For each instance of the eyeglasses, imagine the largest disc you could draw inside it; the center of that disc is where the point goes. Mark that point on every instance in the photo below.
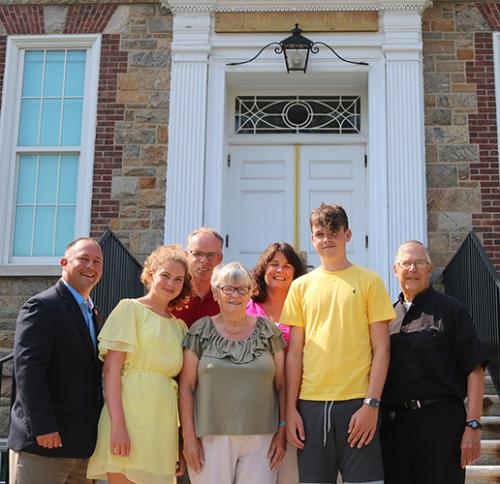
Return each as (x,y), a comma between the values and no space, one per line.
(228,290)
(419,264)
(211,256)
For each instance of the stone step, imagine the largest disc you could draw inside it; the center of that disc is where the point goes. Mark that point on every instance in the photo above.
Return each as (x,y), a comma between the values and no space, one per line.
(490,453)
(491,428)
(482,474)
(491,405)
(489,388)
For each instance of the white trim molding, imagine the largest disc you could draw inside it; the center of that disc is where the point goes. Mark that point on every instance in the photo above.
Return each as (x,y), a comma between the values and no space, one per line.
(9,123)
(207,6)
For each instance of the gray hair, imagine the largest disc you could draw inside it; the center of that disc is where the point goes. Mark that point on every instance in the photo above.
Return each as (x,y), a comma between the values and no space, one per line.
(234,271)
(206,230)
(416,242)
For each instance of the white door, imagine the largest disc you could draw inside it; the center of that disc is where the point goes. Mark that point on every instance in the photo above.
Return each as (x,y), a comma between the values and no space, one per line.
(334,174)
(271,190)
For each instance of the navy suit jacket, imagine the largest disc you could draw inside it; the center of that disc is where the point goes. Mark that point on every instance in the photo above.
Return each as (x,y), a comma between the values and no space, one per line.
(58,376)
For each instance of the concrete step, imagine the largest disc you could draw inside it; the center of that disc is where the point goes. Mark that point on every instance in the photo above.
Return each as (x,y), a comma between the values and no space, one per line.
(482,474)
(489,388)
(491,428)
(491,405)
(490,453)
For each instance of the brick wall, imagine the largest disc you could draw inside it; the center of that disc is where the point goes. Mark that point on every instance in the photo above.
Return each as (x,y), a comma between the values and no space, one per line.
(22,19)
(483,132)
(108,154)
(460,119)
(88,19)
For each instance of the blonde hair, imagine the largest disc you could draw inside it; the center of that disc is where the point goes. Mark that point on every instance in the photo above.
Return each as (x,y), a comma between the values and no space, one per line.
(155,261)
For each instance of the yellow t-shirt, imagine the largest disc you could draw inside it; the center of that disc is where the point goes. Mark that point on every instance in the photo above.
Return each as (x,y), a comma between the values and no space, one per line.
(336,309)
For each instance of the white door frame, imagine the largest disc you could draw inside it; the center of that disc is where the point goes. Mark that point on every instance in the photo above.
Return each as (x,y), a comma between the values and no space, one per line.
(199,94)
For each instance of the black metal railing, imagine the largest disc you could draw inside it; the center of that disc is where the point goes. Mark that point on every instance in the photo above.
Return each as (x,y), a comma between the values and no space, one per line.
(471,278)
(121,275)
(7,396)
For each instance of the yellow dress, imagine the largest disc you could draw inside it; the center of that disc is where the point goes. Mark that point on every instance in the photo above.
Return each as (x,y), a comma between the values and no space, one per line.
(149,394)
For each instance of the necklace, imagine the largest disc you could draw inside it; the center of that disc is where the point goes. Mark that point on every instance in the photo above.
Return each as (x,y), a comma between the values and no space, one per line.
(241,328)
(238,330)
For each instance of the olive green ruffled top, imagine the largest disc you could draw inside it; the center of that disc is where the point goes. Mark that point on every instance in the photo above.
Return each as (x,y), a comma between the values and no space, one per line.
(235,393)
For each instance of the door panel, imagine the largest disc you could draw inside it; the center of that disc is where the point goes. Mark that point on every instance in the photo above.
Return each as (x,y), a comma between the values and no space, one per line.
(259,206)
(334,174)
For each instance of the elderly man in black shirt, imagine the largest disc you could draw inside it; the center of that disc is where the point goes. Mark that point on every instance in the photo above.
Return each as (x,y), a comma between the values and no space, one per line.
(428,435)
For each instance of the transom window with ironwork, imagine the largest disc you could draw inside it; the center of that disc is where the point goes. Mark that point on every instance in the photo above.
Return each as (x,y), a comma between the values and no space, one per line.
(297,114)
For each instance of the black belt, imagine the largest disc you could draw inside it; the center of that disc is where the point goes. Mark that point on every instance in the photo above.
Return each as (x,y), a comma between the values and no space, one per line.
(416,404)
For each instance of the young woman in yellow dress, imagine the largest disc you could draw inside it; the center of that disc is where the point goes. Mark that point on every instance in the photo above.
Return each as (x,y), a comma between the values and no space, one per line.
(141,345)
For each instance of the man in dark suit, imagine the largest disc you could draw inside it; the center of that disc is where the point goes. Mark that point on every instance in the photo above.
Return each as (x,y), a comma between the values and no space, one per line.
(58,375)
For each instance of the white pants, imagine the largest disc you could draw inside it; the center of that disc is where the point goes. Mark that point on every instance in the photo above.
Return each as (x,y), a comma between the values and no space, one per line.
(288,470)
(235,459)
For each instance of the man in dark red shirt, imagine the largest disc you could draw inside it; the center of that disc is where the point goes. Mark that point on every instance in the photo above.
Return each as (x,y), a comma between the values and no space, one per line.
(203,252)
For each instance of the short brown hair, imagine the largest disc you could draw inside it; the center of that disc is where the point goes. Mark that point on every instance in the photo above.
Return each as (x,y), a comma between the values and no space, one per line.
(330,217)
(259,271)
(156,259)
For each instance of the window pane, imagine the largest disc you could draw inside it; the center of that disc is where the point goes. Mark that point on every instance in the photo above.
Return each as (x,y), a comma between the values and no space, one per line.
(67,181)
(44,231)
(51,116)
(72,122)
(32,76)
(26,180)
(23,231)
(47,179)
(28,123)
(75,73)
(65,228)
(54,73)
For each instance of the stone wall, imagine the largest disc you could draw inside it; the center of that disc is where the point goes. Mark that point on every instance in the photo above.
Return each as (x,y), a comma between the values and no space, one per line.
(460,119)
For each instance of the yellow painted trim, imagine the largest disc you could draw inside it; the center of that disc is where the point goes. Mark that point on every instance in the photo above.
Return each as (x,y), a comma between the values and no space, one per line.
(296,197)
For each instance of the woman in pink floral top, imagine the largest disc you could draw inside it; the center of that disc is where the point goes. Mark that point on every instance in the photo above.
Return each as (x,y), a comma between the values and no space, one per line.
(276,268)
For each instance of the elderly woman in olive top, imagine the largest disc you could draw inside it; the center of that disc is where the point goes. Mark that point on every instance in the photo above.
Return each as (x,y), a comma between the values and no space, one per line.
(276,268)
(232,389)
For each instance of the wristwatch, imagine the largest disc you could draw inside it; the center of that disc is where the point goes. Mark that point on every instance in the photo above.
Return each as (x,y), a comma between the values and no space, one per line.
(372,402)
(473,424)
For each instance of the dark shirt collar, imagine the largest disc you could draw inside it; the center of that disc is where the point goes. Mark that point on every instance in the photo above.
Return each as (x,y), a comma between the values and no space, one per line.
(420,298)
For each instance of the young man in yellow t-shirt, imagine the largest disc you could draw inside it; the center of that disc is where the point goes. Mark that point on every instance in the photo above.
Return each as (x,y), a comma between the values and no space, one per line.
(337,359)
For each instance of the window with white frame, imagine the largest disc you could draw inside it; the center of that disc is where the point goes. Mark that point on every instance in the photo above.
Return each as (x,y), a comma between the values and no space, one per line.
(47,133)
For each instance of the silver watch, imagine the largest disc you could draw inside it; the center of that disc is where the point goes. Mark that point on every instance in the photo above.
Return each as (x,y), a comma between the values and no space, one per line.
(372,402)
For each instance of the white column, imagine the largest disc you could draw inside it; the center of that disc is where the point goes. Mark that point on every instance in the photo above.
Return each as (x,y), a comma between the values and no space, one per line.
(187,125)
(379,258)
(216,149)
(405,130)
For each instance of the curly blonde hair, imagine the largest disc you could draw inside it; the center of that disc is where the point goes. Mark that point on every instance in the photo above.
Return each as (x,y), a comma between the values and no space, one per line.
(157,259)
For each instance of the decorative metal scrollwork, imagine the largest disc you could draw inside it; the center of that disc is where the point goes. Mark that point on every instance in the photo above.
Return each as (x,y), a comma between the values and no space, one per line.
(297,114)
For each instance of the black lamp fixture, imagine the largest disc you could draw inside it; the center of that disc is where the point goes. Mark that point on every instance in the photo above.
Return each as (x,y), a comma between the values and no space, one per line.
(296,49)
